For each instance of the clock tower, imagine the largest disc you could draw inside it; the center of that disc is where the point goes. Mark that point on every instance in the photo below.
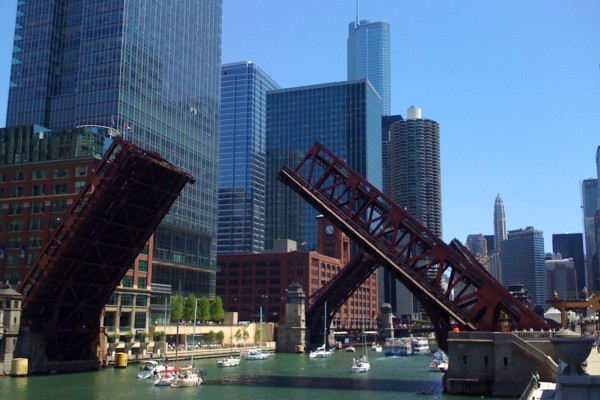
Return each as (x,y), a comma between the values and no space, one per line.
(331,241)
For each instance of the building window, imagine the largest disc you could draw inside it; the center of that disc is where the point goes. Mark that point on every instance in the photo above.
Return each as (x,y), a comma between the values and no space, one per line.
(36,207)
(485,361)
(35,242)
(15,226)
(139,320)
(13,243)
(141,301)
(36,224)
(142,283)
(79,185)
(37,175)
(16,191)
(127,300)
(17,176)
(38,190)
(128,281)
(505,361)
(60,188)
(15,209)
(143,266)
(58,205)
(81,171)
(60,173)
(112,300)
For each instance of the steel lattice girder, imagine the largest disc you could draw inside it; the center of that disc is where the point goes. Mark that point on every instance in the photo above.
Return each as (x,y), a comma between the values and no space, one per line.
(402,245)
(335,293)
(96,242)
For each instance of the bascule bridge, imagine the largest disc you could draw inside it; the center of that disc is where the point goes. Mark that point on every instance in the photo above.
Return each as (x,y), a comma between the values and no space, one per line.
(393,239)
(98,238)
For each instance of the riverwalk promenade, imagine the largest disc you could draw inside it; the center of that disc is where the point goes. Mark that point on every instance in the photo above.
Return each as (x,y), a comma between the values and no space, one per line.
(547,390)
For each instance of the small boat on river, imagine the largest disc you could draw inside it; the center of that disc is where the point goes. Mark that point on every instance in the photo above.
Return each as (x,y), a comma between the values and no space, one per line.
(230,361)
(187,377)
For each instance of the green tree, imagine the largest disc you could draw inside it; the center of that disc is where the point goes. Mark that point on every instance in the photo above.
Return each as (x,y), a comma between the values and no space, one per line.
(216,310)
(220,336)
(176,308)
(210,336)
(257,336)
(188,307)
(203,309)
(238,335)
(158,336)
(245,336)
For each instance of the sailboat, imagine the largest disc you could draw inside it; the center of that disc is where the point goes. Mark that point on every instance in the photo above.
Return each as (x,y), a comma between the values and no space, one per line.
(189,376)
(362,364)
(321,351)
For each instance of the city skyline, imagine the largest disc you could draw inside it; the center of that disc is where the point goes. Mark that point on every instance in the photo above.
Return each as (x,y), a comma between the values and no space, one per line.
(512,85)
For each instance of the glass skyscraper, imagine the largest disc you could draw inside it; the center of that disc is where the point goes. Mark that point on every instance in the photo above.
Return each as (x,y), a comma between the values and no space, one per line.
(570,245)
(369,56)
(523,262)
(343,116)
(150,69)
(589,194)
(242,168)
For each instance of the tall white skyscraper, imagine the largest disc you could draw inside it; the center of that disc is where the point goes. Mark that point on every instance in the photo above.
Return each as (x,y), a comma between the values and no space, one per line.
(499,223)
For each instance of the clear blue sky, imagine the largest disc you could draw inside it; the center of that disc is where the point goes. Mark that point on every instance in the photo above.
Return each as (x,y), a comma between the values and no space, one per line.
(514,85)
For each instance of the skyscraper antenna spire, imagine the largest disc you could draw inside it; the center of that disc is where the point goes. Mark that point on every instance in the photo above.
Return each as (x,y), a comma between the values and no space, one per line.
(357,1)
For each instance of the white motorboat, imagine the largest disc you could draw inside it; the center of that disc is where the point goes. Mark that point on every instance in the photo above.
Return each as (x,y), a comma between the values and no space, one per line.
(148,370)
(420,345)
(439,362)
(187,377)
(398,347)
(256,354)
(350,349)
(376,348)
(230,361)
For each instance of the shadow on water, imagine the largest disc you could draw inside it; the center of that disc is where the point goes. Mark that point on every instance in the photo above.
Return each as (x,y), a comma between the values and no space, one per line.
(337,383)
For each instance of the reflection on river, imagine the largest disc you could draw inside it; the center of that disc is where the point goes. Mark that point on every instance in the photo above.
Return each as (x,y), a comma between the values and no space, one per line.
(284,376)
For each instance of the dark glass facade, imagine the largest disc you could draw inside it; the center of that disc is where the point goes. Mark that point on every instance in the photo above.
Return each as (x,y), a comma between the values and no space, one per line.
(343,116)
(369,57)
(150,69)
(242,167)
(570,245)
(523,262)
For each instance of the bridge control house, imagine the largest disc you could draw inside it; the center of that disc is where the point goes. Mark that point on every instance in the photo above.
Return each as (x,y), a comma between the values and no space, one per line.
(253,283)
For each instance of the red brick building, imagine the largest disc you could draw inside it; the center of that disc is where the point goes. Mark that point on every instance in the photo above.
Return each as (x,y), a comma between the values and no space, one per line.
(41,173)
(248,283)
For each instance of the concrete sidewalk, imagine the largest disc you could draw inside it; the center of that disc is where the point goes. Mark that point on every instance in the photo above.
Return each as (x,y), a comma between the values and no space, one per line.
(593,361)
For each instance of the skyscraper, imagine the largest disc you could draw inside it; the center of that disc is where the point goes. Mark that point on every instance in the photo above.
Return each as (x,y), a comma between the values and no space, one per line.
(414,168)
(150,69)
(522,255)
(343,116)
(590,195)
(413,181)
(242,170)
(499,223)
(369,56)
(570,245)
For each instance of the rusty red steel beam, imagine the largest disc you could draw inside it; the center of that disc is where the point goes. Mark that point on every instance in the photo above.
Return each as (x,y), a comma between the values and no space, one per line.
(100,235)
(400,243)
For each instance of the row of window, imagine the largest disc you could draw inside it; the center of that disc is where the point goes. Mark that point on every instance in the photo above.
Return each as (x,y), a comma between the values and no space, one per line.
(37,207)
(57,173)
(41,190)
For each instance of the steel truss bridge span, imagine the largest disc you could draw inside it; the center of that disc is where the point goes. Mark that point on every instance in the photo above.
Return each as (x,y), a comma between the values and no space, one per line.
(97,241)
(392,238)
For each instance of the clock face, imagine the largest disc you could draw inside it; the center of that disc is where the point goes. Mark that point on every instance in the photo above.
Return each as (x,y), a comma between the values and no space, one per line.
(329,229)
